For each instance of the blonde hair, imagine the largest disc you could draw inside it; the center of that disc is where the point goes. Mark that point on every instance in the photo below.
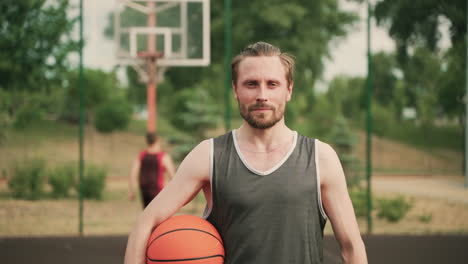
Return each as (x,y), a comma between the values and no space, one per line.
(260,49)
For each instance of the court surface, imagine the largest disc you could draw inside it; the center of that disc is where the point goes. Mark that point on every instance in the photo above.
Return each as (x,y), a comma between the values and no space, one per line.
(393,249)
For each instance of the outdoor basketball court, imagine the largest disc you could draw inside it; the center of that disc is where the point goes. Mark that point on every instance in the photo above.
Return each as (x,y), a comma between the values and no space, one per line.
(447,249)
(153,35)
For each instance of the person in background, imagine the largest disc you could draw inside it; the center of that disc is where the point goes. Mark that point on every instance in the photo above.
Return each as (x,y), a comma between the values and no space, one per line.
(151,169)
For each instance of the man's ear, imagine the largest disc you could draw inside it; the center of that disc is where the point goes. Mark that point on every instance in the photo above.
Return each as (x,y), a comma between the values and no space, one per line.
(234,89)
(290,89)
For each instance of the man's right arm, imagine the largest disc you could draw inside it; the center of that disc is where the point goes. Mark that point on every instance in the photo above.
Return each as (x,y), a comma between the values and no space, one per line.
(191,176)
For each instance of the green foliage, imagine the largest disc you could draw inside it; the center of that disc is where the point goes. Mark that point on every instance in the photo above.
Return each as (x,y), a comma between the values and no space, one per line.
(35,41)
(359,199)
(26,116)
(347,95)
(425,218)
(194,110)
(342,138)
(28,179)
(423,136)
(182,149)
(136,90)
(3,128)
(4,116)
(423,26)
(100,87)
(113,115)
(429,87)
(393,210)
(451,87)
(93,182)
(384,81)
(62,179)
(383,120)
(423,71)
(320,120)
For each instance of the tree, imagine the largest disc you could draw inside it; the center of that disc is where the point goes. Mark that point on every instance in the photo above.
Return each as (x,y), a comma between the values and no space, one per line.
(35,41)
(100,88)
(423,83)
(452,90)
(113,114)
(347,95)
(423,29)
(384,68)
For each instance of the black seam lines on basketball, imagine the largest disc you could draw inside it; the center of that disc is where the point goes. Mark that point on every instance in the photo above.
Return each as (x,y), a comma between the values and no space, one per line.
(186,259)
(182,229)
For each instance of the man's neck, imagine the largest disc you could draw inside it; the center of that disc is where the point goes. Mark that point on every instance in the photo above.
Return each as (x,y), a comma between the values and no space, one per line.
(264,140)
(154,148)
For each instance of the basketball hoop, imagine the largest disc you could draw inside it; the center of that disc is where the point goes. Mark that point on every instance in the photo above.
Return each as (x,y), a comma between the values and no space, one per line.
(177,33)
(150,56)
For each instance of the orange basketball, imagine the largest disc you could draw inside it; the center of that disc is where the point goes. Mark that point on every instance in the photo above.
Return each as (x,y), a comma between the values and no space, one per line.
(185,239)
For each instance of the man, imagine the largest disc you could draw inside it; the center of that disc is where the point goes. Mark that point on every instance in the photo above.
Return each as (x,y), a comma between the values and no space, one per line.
(149,169)
(269,190)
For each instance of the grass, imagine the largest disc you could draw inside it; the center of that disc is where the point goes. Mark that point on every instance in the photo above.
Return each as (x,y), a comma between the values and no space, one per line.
(138,126)
(429,137)
(39,132)
(424,137)
(115,215)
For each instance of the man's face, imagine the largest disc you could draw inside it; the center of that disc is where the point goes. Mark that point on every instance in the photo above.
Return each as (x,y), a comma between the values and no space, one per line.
(262,91)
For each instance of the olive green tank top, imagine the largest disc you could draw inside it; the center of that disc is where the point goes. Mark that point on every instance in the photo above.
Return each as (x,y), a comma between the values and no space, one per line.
(267,217)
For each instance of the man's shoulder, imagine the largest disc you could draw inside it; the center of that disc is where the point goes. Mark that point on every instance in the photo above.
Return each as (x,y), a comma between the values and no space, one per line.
(223,136)
(309,141)
(222,139)
(299,135)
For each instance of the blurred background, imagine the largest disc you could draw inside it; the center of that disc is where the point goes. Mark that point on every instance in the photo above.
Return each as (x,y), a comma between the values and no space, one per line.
(418,79)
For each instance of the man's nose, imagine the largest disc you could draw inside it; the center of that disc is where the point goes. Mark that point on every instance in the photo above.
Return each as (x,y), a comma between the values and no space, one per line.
(262,93)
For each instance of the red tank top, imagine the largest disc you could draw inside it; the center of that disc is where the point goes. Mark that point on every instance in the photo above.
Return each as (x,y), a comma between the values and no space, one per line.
(151,175)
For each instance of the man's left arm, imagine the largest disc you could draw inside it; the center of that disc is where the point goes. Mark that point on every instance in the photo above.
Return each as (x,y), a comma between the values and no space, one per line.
(338,206)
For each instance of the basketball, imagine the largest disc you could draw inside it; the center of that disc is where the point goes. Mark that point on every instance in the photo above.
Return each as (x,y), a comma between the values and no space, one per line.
(185,239)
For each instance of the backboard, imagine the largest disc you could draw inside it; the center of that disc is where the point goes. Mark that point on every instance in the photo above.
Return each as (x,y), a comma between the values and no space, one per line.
(179,30)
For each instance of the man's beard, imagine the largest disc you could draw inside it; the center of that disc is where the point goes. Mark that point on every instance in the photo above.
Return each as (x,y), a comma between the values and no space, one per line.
(259,121)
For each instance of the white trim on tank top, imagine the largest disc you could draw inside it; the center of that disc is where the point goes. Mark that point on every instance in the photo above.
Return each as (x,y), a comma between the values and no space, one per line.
(324,215)
(209,208)
(271,170)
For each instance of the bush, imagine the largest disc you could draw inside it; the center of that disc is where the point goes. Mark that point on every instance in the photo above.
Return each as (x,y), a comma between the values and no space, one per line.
(359,199)
(343,139)
(194,110)
(383,120)
(93,182)
(99,85)
(28,180)
(426,218)
(393,210)
(62,180)
(112,115)
(26,116)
